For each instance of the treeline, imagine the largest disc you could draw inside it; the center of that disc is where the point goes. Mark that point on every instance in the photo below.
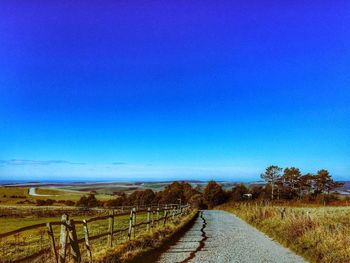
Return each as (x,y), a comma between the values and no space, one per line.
(289,183)
(280,184)
(175,193)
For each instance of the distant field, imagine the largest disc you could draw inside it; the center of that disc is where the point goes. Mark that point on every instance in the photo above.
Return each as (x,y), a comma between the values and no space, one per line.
(129,187)
(73,191)
(19,195)
(110,188)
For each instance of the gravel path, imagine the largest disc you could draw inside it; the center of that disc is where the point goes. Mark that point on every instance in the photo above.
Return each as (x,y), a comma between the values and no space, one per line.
(219,236)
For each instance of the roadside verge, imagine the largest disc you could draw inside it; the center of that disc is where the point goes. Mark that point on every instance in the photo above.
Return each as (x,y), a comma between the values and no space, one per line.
(148,247)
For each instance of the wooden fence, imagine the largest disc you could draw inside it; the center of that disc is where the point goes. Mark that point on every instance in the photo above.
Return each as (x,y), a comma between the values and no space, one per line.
(68,241)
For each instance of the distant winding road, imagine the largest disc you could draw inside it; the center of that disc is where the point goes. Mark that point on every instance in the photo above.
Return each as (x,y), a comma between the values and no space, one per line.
(219,236)
(33,193)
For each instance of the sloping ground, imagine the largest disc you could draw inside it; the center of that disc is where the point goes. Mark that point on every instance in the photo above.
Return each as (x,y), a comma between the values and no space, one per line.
(218,236)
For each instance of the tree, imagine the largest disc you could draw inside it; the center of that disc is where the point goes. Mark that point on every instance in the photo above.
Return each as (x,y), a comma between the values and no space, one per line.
(172,194)
(279,185)
(89,201)
(196,201)
(291,179)
(324,182)
(120,200)
(271,175)
(144,197)
(307,182)
(213,194)
(177,192)
(238,191)
(257,192)
(147,197)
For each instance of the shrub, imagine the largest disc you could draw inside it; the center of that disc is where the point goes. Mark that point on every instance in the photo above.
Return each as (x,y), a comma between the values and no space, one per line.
(88,201)
(40,202)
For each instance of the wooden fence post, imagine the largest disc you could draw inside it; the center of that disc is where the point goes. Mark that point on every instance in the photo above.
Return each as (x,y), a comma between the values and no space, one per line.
(130,224)
(148,219)
(52,239)
(73,241)
(308,215)
(134,222)
(157,216)
(282,211)
(153,213)
(111,228)
(165,217)
(63,238)
(86,237)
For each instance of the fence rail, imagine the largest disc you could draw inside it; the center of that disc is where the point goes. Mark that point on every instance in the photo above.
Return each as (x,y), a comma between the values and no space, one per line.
(58,246)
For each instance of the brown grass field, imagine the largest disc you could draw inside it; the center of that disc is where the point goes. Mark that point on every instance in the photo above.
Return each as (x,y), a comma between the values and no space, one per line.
(319,234)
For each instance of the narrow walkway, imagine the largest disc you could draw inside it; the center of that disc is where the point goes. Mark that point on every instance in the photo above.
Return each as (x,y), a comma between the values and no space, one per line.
(218,236)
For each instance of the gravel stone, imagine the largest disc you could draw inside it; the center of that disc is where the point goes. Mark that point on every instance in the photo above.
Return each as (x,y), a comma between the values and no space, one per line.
(226,238)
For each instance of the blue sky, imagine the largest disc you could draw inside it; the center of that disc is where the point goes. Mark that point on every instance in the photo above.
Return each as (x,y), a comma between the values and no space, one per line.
(173,89)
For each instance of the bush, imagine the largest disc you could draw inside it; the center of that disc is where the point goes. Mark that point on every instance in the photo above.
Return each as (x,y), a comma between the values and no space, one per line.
(119,201)
(17,196)
(40,202)
(66,202)
(89,201)
(238,191)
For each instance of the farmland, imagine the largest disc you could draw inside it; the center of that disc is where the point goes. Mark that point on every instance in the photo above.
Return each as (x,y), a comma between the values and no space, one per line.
(104,188)
(20,195)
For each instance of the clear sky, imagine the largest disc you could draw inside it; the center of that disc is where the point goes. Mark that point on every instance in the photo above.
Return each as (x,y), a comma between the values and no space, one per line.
(100,90)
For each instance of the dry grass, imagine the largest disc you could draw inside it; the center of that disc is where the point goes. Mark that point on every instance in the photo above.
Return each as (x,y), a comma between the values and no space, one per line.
(144,243)
(31,241)
(320,234)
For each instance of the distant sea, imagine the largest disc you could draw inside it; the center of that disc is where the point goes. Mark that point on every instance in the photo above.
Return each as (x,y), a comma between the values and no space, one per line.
(49,181)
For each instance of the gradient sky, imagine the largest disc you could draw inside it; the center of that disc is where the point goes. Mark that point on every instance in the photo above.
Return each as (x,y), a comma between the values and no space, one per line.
(115,90)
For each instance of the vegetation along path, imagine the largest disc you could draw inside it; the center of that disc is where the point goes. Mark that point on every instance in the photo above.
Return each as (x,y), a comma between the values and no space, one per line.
(218,236)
